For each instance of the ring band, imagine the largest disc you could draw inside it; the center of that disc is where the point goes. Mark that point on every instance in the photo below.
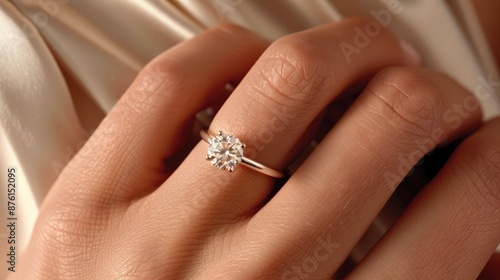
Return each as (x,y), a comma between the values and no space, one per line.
(226,151)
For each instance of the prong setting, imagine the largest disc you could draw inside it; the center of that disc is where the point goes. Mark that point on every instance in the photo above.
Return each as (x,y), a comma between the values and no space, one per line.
(225,151)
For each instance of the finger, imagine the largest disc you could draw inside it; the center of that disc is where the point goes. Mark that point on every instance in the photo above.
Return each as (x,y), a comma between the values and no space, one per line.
(272,108)
(453,226)
(315,220)
(124,157)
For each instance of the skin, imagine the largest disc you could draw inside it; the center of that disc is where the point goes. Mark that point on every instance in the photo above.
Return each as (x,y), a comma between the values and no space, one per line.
(132,205)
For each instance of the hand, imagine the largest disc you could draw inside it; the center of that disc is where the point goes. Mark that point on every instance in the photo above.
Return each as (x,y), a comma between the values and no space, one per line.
(123,208)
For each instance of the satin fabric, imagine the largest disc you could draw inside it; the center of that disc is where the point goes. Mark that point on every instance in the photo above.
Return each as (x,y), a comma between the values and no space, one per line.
(64,63)
(38,122)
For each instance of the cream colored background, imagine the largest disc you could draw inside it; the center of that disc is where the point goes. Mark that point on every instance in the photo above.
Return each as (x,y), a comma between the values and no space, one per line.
(64,63)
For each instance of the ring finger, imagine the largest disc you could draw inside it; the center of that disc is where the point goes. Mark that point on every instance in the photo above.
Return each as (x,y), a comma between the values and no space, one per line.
(273,106)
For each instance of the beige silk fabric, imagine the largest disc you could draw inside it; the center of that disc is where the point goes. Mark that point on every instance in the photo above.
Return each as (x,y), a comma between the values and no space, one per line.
(64,63)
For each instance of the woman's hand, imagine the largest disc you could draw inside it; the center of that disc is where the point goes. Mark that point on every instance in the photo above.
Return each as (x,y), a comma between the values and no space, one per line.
(122,209)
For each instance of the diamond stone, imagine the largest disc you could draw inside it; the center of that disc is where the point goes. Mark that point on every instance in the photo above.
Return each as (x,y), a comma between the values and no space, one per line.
(225,151)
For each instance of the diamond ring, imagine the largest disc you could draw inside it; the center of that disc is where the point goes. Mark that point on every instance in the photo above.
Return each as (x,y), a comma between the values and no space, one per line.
(225,152)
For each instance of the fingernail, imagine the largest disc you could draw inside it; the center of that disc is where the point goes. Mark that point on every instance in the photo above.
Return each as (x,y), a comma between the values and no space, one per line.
(413,56)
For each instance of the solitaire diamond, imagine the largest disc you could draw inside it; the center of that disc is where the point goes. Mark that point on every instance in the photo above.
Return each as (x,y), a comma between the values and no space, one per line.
(225,151)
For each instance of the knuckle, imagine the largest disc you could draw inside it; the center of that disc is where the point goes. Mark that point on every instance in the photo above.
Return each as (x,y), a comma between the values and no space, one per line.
(166,72)
(159,82)
(294,72)
(410,98)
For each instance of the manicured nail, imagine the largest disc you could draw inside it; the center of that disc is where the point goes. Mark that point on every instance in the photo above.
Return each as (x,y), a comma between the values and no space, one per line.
(414,57)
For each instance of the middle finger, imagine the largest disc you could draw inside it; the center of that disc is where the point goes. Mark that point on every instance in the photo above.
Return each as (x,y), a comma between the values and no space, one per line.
(315,220)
